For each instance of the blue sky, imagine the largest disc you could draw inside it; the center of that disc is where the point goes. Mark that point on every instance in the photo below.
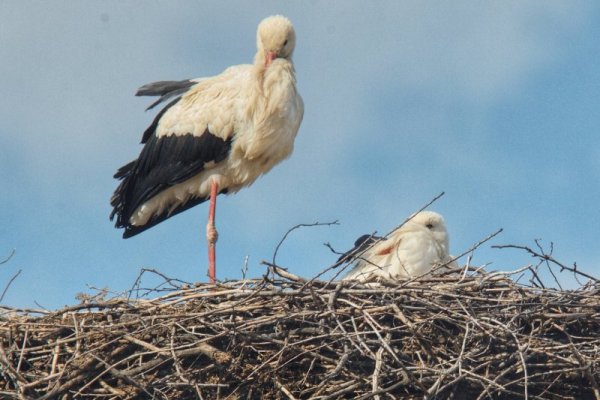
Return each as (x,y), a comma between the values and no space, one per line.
(495,103)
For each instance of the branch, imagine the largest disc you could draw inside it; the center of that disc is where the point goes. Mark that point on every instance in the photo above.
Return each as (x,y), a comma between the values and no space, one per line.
(176,284)
(8,284)
(7,259)
(547,257)
(436,198)
(476,245)
(297,227)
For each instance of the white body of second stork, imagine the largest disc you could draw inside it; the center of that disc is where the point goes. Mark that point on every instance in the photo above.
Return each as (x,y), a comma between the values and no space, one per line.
(409,252)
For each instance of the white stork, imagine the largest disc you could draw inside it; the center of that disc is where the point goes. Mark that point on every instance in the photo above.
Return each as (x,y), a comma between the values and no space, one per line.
(217,135)
(410,251)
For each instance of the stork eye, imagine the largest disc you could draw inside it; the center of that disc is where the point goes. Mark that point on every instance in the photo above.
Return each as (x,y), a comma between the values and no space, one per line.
(285,43)
(429,226)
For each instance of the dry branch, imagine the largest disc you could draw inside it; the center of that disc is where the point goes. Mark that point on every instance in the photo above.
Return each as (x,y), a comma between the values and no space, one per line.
(11,280)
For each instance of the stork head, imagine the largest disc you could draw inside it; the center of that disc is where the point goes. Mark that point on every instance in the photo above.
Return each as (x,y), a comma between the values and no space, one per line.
(275,38)
(434,222)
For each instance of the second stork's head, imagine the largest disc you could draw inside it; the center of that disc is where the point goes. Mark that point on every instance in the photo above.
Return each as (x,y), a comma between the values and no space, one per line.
(433,222)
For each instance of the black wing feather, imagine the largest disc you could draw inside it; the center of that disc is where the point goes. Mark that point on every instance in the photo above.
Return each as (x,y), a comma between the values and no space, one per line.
(163,162)
(151,130)
(164,89)
(361,244)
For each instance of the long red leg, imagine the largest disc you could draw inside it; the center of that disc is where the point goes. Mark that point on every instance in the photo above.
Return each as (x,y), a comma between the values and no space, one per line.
(211,233)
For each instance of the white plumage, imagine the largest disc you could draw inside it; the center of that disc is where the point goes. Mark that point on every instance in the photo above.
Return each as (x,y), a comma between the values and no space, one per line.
(262,120)
(411,251)
(225,130)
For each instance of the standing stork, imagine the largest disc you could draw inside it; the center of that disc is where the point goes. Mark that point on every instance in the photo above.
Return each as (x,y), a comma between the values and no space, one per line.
(215,136)
(410,251)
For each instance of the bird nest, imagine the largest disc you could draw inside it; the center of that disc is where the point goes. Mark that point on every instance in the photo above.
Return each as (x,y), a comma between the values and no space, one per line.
(466,335)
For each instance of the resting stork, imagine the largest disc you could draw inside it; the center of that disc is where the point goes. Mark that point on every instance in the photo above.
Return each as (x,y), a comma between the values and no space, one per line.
(216,135)
(410,251)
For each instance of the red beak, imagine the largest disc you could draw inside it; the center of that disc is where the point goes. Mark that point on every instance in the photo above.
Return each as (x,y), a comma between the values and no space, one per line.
(271,55)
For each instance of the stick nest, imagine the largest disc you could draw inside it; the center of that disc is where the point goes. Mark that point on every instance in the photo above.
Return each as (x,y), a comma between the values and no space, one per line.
(463,336)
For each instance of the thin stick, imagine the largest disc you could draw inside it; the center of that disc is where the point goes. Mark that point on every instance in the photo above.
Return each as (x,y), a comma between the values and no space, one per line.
(8,284)
(548,257)
(284,390)
(7,259)
(293,228)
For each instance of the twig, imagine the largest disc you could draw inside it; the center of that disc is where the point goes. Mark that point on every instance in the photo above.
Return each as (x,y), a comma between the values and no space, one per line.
(547,257)
(7,259)
(175,283)
(283,272)
(297,227)
(377,369)
(549,267)
(436,198)
(476,245)
(8,284)
(284,390)
(22,353)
